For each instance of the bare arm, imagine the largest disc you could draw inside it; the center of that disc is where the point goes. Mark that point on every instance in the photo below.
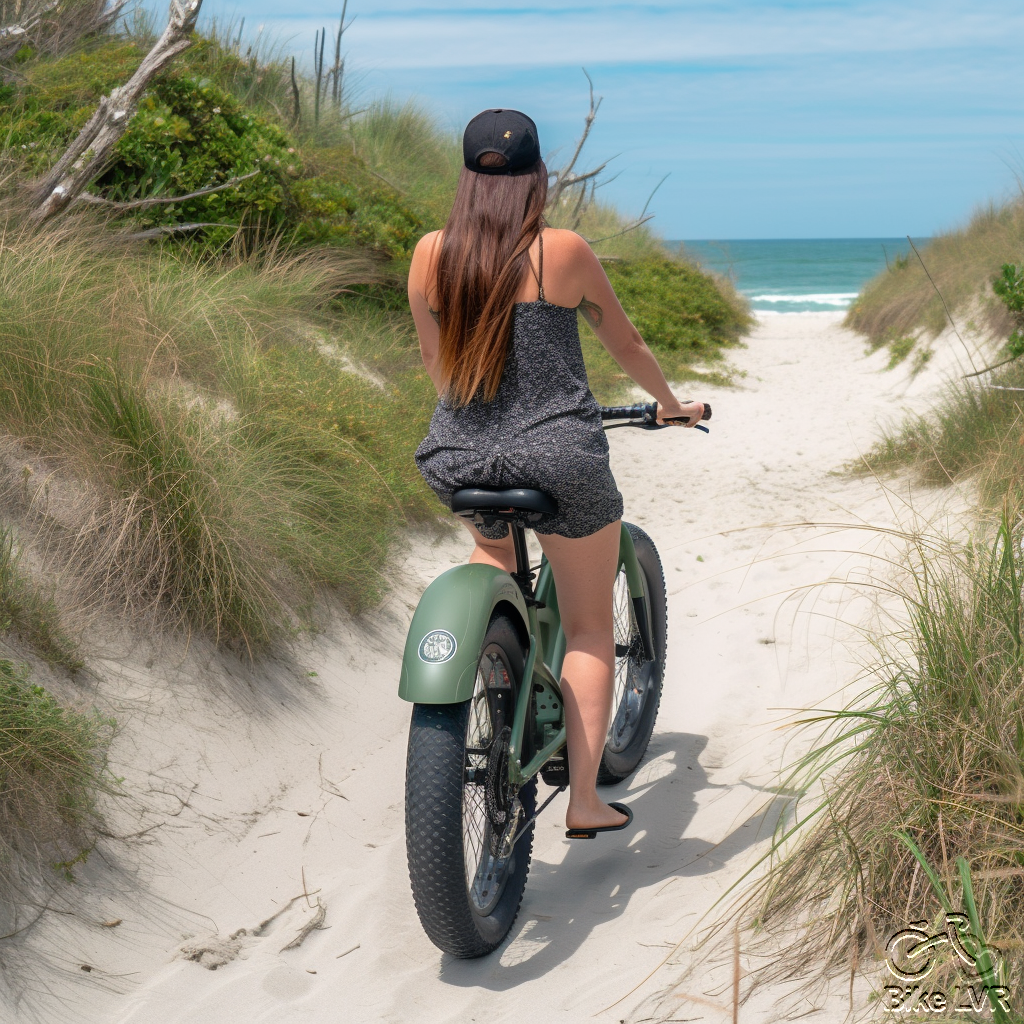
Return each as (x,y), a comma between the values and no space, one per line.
(420,272)
(601,309)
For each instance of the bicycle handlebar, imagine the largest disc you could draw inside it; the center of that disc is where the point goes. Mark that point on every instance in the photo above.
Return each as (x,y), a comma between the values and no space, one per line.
(645,416)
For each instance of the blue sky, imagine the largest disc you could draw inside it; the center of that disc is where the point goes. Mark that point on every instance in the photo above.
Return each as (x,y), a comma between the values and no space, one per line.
(792,119)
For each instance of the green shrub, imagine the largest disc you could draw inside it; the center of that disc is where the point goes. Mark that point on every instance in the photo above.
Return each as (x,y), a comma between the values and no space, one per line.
(189,134)
(49,100)
(192,131)
(676,307)
(52,762)
(1009,286)
(342,212)
(258,80)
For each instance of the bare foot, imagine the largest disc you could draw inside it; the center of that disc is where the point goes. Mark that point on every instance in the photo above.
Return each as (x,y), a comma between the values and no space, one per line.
(593,815)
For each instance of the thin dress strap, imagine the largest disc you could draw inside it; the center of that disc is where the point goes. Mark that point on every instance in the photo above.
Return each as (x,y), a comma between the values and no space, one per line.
(540,268)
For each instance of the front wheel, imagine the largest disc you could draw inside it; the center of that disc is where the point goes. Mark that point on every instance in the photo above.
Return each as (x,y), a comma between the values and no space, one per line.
(637,684)
(466,866)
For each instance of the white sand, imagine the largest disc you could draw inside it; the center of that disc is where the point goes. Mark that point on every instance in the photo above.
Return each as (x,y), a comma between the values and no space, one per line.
(254,785)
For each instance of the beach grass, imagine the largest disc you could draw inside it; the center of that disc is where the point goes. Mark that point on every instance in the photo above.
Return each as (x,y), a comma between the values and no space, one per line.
(902,302)
(925,767)
(52,765)
(974,431)
(30,614)
(239,454)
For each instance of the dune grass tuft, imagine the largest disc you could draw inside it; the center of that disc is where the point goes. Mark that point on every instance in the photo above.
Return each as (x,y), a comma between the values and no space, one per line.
(52,763)
(234,452)
(901,301)
(975,430)
(32,616)
(933,754)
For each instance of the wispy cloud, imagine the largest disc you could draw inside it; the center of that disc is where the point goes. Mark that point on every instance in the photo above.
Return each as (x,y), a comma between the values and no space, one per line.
(792,117)
(396,35)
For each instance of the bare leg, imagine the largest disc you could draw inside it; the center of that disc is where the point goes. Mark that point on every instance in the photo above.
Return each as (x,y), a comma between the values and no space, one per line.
(584,573)
(500,553)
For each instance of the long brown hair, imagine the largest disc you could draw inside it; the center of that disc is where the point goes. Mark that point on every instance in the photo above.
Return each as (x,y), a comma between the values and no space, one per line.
(484,252)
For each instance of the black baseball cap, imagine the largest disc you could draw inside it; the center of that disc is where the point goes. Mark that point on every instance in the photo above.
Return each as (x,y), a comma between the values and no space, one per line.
(508,132)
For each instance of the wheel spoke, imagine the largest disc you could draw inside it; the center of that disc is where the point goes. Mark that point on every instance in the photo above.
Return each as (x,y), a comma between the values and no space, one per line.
(630,671)
(485,873)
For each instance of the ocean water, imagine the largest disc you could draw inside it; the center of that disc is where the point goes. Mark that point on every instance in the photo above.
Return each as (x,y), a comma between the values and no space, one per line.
(803,275)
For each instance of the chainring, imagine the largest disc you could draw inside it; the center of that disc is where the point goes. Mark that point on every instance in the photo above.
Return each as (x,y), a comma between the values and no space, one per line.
(499,795)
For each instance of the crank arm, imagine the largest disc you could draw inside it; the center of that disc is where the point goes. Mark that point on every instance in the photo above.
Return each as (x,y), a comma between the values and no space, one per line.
(536,815)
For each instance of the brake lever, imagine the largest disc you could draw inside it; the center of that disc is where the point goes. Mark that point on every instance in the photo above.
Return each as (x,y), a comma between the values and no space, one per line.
(654,426)
(668,423)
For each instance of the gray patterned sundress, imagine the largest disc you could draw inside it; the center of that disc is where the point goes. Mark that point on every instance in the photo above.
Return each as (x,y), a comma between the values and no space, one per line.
(542,430)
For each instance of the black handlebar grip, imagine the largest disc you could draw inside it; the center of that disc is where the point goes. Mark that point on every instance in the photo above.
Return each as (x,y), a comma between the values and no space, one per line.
(647,414)
(623,412)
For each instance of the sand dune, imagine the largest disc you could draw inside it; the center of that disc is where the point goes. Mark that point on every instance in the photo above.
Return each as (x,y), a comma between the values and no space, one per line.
(265,810)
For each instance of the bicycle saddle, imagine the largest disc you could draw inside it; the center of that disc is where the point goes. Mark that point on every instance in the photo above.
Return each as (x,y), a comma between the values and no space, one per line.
(514,502)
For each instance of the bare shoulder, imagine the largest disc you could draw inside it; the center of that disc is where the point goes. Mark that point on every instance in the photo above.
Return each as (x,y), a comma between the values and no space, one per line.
(563,242)
(423,257)
(427,245)
(570,254)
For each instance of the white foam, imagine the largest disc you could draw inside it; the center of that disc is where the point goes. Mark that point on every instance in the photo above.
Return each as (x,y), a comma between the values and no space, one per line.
(825,299)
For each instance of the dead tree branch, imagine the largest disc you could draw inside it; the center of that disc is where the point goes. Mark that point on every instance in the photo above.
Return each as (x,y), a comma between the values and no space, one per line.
(296,108)
(140,204)
(171,229)
(56,23)
(639,222)
(338,70)
(90,154)
(13,37)
(318,71)
(566,177)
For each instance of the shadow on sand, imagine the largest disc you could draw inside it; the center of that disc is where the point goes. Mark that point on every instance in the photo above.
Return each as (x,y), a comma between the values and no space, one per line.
(596,880)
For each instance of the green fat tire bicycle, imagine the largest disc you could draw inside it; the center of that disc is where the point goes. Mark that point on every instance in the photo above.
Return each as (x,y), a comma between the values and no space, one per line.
(481,667)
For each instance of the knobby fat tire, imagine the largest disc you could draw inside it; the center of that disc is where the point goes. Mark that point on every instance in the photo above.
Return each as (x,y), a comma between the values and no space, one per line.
(617,766)
(435,776)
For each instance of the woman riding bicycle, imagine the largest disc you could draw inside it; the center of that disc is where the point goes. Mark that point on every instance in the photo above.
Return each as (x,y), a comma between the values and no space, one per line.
(494,297)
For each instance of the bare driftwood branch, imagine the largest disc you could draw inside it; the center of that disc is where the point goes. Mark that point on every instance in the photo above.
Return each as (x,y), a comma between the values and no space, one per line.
(139,204)
(296,108)
(55,27)
(13,37)
(110,13)
(641,220)
(171,229)
(315,922)
(565,176)
(338,70)
(90,154)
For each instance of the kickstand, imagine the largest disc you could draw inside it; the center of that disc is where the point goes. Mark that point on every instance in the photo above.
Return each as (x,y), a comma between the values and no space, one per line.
(536,814)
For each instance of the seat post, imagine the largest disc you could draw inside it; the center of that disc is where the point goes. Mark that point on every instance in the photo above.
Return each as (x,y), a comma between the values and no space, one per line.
(522,575)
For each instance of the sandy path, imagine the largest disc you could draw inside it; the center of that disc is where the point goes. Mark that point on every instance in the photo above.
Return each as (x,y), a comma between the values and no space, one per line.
(255,784)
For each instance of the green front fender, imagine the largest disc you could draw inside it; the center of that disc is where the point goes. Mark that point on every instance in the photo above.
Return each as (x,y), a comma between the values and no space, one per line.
(460,602)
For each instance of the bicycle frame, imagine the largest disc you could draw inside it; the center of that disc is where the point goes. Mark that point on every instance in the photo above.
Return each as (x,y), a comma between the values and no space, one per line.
(458,606)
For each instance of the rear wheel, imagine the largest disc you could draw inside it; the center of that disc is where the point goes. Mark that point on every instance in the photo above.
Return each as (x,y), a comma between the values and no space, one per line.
(461,815)
(637,684)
